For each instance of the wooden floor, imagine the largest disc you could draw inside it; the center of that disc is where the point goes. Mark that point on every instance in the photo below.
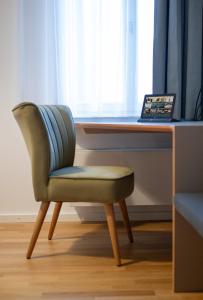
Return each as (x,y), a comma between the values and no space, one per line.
(78,263)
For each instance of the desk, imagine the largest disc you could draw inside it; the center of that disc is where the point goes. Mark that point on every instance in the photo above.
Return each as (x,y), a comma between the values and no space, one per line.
(187,148)
(186,160)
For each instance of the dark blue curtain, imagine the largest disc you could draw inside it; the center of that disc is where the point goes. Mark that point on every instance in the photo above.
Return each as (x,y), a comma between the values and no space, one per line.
(178,53)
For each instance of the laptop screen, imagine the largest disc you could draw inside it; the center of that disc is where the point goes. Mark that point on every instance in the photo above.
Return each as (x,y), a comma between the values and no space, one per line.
(158,106)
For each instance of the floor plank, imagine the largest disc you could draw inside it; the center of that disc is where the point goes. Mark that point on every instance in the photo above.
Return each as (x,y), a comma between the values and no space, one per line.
(78,263)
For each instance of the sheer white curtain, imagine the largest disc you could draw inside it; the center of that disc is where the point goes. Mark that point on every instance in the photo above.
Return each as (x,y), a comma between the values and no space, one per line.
(93,55)
(39,59)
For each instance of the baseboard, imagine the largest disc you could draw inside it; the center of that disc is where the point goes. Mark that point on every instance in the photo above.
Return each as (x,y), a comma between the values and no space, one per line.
(96,213)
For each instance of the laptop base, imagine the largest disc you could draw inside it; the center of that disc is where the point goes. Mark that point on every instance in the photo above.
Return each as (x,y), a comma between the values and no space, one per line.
(157,120)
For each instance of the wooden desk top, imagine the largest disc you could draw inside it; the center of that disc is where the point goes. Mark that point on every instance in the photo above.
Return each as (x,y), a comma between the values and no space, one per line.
(101,127)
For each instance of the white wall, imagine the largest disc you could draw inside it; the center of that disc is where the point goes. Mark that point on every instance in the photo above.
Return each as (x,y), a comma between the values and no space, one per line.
(15,197)
(152,167)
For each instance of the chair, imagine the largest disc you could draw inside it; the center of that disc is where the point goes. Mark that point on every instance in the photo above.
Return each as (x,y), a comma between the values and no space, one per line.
(49,134)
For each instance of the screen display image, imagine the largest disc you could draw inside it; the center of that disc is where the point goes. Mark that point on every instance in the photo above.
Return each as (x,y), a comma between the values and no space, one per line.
(158,106)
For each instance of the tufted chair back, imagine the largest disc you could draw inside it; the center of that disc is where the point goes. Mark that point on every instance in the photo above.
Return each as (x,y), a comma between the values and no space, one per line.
(52,146)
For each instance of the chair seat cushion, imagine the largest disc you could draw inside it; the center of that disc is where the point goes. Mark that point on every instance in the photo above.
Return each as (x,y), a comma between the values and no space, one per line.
(190,206)
(102,184)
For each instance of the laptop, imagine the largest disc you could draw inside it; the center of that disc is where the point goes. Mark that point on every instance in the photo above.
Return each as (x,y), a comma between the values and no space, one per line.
(158,108)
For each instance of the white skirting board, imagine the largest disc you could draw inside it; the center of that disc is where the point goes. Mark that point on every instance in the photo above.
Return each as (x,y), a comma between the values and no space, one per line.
(96,213)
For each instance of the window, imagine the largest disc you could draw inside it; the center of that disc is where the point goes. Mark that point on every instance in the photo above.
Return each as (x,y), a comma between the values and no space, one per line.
(93,55)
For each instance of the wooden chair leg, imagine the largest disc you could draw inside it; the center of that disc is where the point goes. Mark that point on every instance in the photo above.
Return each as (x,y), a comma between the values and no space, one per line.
(54,219)
(38,224)
(126,221)
(109,210)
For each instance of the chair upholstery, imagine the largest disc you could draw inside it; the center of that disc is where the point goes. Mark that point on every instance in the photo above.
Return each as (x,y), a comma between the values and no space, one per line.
(49,134)
(50,138)
(52,150)
(90,184)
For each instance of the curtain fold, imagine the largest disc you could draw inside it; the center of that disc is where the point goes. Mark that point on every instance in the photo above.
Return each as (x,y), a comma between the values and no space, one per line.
(177,56)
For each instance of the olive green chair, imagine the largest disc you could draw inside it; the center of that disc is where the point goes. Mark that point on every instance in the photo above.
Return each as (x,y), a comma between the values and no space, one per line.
(49,134)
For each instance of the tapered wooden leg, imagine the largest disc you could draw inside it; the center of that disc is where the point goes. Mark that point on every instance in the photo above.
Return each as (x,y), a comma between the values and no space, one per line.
(126,221)
(38,224)
(113,232)
(54,219)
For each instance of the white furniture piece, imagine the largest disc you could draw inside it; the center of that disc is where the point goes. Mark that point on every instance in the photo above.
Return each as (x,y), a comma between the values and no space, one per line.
(187,186)
(188,242)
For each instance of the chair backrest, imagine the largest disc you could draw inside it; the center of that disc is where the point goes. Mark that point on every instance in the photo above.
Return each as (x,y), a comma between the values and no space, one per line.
(49,134)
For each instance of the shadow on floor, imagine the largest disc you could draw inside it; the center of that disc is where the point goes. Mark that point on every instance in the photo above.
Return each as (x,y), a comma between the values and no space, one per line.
(149,245)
